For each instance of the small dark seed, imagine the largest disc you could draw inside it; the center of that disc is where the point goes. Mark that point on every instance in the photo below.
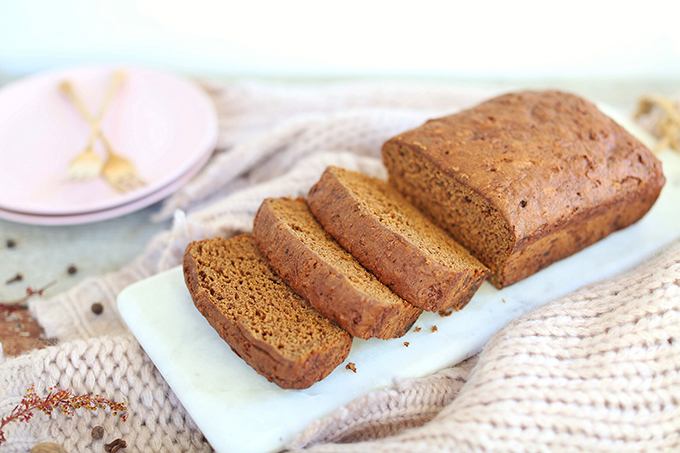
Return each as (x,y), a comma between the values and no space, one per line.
(97,308)
(72,270)
(11,243)
(97,432)
(16,278)
(116,445)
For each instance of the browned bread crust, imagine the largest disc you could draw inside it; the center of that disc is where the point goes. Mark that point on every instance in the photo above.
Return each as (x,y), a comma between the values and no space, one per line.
(406,250)
(262,319)
(321,271)
(525,179)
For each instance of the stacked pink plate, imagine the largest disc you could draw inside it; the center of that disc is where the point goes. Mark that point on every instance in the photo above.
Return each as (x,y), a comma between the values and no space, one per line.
(166,125)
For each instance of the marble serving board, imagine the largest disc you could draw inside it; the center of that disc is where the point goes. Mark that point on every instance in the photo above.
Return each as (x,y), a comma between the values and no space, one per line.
(240,411)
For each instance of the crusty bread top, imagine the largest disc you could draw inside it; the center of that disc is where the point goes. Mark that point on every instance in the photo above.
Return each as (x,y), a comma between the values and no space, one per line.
(537,157)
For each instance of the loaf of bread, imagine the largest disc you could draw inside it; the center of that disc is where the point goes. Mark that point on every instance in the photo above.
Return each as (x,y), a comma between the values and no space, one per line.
(395,241)
(260,317)
(320,270)
(525,179)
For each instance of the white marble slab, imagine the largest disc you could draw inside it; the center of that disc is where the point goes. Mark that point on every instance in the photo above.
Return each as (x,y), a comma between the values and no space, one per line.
(239,411)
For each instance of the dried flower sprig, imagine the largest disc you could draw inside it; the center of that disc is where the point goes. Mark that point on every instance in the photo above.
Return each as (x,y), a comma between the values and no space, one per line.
(20,304)
(61,400)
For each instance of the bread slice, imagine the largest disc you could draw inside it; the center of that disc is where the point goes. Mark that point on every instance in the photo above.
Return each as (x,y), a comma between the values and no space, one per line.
(388,235)
(325,274)
(261,318)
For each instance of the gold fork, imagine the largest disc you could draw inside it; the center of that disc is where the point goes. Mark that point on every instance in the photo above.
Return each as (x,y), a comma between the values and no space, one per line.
(119,172)
(88,164)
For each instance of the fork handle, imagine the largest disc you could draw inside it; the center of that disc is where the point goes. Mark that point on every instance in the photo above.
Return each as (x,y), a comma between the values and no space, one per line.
(95,124)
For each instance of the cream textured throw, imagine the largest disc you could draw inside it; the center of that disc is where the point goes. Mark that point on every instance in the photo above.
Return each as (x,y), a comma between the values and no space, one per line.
(598,370)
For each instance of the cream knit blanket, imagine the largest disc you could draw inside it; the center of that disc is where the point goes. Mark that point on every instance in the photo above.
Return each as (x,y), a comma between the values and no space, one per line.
(595,371)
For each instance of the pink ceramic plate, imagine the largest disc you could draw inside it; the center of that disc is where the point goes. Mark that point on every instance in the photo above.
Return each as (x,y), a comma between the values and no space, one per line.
(163,123)
(106,214)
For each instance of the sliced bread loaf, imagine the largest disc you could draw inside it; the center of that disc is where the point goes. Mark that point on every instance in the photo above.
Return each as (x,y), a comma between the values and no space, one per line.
(261,318)
(525,179)
(405,249)
(325,274)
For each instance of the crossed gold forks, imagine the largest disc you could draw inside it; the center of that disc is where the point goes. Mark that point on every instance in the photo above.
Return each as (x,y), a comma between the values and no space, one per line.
(119,172)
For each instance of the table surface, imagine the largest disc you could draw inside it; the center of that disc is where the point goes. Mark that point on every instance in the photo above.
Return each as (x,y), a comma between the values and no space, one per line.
(44,254)
(62,256)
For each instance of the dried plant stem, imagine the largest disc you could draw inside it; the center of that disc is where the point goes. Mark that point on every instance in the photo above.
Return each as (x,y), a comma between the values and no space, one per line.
(57,399)
(668,126)
(20,304)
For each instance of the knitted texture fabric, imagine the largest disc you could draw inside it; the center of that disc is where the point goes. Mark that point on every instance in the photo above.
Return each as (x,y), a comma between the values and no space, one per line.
(112,366)
(595,371)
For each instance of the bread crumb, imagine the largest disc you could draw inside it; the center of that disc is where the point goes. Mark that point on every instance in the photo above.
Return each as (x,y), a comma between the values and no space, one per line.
(406,343)
(444,313)
(434,328)
(351,366)
(416,329)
